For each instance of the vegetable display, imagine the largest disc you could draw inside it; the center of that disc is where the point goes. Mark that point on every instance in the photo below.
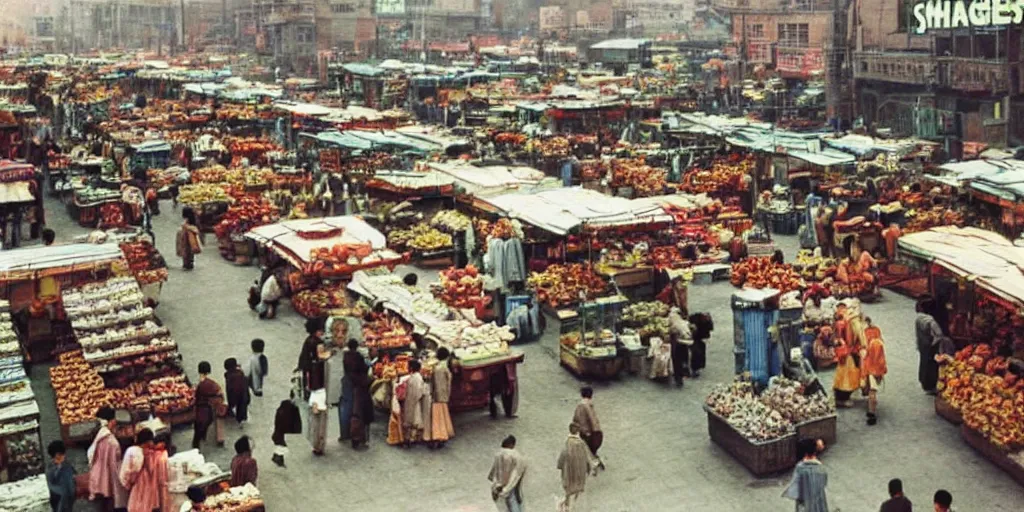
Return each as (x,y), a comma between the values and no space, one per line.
(451,221)
(199,193)
(247,213)
(562,285)
(770,415)
(988,395)
(762,272)
(461,288)
(420,237)
(642,178)
(724,175)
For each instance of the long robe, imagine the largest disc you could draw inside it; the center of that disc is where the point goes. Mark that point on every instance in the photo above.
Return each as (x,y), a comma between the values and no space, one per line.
(104,466)
(807,487)
(144,471)
(574,463)
(440,417)
(928,335)
(412,408)
(506,476)
(586,418)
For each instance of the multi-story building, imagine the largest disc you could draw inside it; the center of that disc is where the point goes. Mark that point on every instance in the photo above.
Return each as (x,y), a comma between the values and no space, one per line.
(654,18)
(352,27)
(960,84)
(130,24)
(799,39)
(284,29)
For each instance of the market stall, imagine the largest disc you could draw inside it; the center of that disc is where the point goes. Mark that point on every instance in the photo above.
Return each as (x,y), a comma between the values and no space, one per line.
(21,198)
(21,448)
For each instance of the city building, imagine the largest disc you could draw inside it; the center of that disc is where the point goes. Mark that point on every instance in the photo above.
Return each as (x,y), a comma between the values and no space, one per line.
(957,84)
(128,24)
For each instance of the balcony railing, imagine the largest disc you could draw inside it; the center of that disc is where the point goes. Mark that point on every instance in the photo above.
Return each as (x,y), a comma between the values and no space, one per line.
(974,75)
(904,68)
(779,6)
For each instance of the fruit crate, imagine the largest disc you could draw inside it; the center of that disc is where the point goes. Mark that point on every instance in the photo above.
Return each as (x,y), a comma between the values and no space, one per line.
(823,428)
(991,452)
(762,458)
(947,412)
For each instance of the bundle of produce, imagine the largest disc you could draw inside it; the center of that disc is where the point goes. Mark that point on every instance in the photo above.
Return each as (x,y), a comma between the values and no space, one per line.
(510,139)
(641,313)
(317,302)
(94,321)
(923,220)
(987,393)
(116,290)
(771,415)
(562,285)
(550,147)
(722,176)
(451,221)
(502,228)
(235,499)
(212,174)
(592,169)
(386,331)
(337,258)
(145,262)
(112,216)
(132,350)
(643,179)
(169,395)
(762,272)
(814,268)
(368,164)
(80,390)
(420,237)
(199,193)
(389,368)
(461,288)
(251,148)
(245,214)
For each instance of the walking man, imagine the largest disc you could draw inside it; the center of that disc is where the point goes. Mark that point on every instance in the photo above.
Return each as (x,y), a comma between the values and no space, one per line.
(585,419)
(929,336)
(506,477)
(575,463)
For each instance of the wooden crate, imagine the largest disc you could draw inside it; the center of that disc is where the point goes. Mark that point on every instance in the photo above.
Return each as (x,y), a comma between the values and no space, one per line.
(821,428)
(993,453)
(947,412)
(760,458)
(590,368)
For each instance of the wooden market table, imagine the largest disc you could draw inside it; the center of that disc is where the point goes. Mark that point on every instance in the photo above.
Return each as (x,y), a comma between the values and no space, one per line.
(471,385)
(590,367)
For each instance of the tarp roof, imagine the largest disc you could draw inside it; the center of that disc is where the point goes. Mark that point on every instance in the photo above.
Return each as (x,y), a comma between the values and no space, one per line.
(479,181)
(284,239)
(51,256)
(620,44)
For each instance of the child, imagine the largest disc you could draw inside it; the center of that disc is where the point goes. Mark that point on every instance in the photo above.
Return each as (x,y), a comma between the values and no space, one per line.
(257,367)
(237,390)
(286,421)
(60,478)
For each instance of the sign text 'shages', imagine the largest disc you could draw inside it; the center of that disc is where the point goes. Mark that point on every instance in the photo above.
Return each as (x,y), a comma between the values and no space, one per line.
(946,14)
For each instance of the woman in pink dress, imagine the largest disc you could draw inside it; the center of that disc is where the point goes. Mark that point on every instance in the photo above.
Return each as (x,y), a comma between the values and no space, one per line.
(144,473)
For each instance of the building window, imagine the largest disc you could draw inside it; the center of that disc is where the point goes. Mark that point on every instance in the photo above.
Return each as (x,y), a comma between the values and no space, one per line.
(304,34)
(760,52)
(755,31)
(793,35)
(904,15)
(340,8)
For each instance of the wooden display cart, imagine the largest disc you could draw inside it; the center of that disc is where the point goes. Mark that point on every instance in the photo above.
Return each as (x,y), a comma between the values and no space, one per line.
(471,385)
(991,452)
(583,366)
(762,458)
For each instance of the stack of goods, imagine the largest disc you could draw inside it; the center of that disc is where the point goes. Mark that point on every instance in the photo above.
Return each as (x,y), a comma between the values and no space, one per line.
(145,261)
(987,393)
(213,174)
(246,213)
(386,331)
(509,139)
(551,147)
(645,180)
(339,259)
(564,285)
(115,330)
(19,413)
(170,395)
(451,221)
(649,319)
(592,170)
(462,288)
(724,176)
(391,367)
(317,302)
(202,193)
(420,238)
(29,495)
(772,414)
(235,499)
(764,273)
(481,342)
(250,148)
(923,220)
(814,268)
(80,390)
(593,344)
(368,165)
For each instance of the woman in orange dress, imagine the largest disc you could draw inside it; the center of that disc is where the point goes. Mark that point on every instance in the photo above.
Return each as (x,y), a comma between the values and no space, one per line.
(873,368)
(847,376)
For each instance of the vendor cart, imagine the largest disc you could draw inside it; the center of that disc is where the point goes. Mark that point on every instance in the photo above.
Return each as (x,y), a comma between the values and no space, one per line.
(588,346)
(472,383)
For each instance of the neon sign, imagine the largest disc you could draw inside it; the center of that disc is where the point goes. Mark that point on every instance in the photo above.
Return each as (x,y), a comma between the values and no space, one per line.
(946,14)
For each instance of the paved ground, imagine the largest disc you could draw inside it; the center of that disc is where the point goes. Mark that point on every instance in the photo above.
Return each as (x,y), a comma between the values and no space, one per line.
(657,449)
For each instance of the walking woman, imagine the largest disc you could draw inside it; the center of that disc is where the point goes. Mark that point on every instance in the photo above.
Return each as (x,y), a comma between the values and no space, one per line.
(144,473)
(189,240)
(209,405)
(441,387)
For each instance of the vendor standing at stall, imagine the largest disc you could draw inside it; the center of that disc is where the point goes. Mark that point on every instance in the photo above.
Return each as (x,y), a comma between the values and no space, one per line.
(929,336)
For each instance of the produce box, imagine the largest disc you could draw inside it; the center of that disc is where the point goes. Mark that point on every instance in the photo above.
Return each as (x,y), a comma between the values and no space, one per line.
(992,453)
(822,428)
(761,458)
(947,412)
